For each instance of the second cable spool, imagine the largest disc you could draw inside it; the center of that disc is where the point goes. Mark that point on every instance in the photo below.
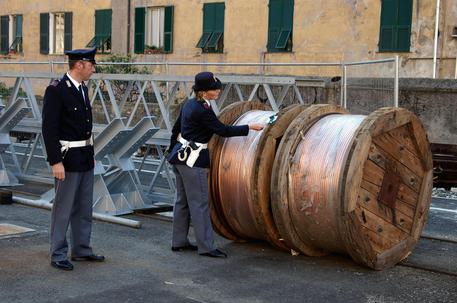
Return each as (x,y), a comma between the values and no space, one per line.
(319,180)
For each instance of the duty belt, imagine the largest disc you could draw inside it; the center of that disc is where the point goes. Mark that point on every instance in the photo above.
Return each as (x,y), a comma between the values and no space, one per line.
(66,145)
(195,148)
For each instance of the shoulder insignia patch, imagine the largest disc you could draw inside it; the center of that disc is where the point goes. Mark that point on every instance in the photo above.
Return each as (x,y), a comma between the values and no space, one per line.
(54,82)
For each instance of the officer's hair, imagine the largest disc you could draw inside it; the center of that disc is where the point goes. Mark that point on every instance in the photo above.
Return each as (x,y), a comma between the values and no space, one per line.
(72,63)
(199,95)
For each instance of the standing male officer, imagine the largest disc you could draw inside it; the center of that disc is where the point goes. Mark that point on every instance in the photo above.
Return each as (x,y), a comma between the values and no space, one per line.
(67,133)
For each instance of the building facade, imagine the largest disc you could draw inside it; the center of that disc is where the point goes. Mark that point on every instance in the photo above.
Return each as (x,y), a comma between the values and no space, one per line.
(256,31)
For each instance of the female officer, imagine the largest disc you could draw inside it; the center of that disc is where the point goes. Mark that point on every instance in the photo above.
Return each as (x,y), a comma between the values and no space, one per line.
(189,156)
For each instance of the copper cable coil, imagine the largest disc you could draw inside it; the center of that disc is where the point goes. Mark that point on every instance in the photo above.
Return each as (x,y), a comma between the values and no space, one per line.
(236,164)
(315,171)
(325,144)
(353,184)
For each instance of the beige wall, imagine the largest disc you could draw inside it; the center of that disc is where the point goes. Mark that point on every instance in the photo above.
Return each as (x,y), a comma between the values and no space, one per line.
(324,31)
(83,25)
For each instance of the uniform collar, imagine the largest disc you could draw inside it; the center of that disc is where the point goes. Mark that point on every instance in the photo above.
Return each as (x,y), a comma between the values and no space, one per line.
(75,83)
(207,102)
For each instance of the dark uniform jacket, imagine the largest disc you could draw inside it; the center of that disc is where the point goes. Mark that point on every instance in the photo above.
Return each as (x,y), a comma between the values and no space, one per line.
(66,116)
(197,122)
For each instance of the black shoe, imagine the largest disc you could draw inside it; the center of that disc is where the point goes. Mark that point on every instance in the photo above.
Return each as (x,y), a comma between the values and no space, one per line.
(64,265)
(91,258)
(185,247)
(215,254)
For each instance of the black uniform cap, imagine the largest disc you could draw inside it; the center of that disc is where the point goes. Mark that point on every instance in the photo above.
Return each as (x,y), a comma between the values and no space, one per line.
(205,81)
(84,54)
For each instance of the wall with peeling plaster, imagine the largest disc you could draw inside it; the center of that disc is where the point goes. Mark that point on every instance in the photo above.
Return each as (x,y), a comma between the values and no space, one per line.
(324,31)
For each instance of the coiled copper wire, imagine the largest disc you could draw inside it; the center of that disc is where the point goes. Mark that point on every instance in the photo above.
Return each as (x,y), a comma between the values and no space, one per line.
(315,174)
(315,171)
(234,177)
(332,182)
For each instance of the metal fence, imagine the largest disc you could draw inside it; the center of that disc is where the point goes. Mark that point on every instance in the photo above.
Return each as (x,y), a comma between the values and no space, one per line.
(370,85)
(134,114)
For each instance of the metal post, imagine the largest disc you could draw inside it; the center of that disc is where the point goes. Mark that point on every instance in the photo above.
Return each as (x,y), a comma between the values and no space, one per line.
(397,65)
(435,46)
(345,86)
(455,76)
(342,86)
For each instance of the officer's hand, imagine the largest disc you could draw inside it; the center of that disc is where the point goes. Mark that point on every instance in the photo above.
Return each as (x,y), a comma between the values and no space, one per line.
(256,126)
(58,171)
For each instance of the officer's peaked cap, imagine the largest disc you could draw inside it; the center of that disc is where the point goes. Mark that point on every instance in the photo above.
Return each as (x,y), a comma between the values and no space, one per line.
(84,54)
(205,81)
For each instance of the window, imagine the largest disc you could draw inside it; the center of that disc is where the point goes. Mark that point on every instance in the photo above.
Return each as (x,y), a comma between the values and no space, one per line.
(11,34)
(395,31)
(212,39)
(102,38)
(4,31)
(55,32)
(15,40)
(280,25)
(153,30)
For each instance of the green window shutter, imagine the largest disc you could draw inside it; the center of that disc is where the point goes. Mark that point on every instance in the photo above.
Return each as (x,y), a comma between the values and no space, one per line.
(219,9)
(288,15)
(218,25)
(44,33)
(98,28)
(388,22)
(209,11)
(18,26)
(286,26)
(395,31)
(103,20)
(274,23)
(203,40)
(405,11)
(208,24)
(140,13)
(168,30)
(386,39)
(283,39)
(213,27)
(215,37)
(4,30)
(68,29)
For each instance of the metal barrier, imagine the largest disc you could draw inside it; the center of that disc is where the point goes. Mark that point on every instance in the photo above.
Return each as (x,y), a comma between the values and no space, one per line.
(125,182)
(362,83)
(8,119)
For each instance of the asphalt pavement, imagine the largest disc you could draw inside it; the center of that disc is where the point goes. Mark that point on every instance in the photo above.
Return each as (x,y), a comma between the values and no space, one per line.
(140,267)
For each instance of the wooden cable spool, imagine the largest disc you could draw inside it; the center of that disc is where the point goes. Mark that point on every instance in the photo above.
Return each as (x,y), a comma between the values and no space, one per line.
(320,180)
(240,183)
(376,209)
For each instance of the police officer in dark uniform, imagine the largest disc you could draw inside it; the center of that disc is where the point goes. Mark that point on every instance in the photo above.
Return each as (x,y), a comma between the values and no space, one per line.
(189,155)
(67,133)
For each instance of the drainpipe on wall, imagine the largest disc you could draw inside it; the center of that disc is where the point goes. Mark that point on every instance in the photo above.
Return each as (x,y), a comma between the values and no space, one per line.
(455,76)
(128,26)
(435,46)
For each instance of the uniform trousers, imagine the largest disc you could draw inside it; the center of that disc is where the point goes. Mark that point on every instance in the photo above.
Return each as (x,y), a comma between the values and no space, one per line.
(72,205)
(192,204)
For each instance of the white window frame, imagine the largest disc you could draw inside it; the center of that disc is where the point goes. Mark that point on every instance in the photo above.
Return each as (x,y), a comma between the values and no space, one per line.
(11,29)
(155,26)
(52,33)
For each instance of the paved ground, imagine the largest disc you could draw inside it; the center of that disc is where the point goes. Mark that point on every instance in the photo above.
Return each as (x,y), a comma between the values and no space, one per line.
(140,267)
